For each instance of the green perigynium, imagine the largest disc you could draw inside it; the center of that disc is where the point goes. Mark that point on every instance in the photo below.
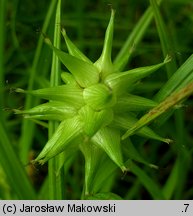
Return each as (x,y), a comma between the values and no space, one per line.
(95,107)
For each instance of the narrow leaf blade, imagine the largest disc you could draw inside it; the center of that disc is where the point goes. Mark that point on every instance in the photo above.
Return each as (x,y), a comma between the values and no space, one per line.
(128,121)
(133,39)
(160,109)
(147,182)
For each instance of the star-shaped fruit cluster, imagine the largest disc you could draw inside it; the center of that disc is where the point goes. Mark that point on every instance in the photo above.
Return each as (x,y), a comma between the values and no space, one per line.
(95,106)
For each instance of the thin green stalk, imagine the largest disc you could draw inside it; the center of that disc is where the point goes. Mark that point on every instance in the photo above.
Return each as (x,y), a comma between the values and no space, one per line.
(133,191)
(181,78)
(165,40)
(80,30)
(13,168)
(27,126)
(16,41)
(163,107)
(133,39)
(152,187)
(176,173)
(8,159)
(184,156)
(56,183)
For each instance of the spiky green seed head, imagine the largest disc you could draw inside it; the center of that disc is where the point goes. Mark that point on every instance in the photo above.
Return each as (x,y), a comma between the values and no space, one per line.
(94,106)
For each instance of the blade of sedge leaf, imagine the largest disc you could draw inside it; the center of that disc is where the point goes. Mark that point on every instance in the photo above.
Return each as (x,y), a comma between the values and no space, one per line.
(94,120)
(55,181)
(40,54)
(65,93)
(120,81)
(109,140)
(171,183)
(5,189)
(127,121)
(131,102)
(133,39)
(14,169)
(92,155)
(104,63)
(180,79)
(43,192)
(150,185)
(99,96)
(73,49)
(85,73)
(53,110)
(164,38)
(164,106)
(65,133)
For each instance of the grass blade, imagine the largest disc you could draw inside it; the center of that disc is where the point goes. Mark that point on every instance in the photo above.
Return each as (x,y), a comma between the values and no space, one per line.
(28,126)
(164,106)
(55,178)
(164,38)
(126,122)
(171,183)
(147,182)
(133,40)
(180,79)
(13,168)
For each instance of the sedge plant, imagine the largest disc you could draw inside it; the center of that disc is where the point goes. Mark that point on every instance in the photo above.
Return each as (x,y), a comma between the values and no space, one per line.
(96,106)
(94,110)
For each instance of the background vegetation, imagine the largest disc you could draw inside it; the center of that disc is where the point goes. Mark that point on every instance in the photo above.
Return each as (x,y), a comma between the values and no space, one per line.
(25,62)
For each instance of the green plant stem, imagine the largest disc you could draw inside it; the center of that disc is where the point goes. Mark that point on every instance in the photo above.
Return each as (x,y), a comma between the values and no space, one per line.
(182,159)
(152,187)
(27,126)
(133,39)
(56,175)
(165,40)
